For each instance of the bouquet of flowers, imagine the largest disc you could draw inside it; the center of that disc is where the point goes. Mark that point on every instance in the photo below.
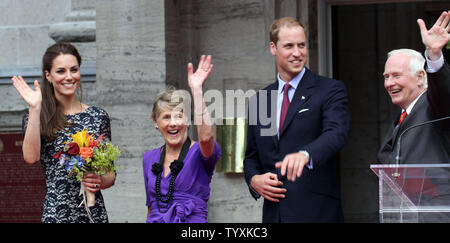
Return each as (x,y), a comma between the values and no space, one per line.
(84,154)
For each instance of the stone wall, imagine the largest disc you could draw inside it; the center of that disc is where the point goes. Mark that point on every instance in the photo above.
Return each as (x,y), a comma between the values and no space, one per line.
(130,72)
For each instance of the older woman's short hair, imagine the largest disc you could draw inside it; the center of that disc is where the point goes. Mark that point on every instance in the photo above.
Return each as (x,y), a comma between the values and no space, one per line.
(171,99)
(416,62)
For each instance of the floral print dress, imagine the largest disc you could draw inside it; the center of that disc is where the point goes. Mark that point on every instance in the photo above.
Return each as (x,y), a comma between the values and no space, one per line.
(62,198)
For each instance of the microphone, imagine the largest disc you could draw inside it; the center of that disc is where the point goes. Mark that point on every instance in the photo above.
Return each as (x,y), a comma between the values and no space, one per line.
(397,157)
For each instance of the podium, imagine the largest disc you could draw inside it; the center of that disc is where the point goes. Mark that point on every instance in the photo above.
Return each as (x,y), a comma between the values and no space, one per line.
(413,193)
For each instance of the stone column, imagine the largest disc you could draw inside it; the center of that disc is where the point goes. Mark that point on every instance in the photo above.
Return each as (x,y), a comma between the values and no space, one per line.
(79,28)
(131,70)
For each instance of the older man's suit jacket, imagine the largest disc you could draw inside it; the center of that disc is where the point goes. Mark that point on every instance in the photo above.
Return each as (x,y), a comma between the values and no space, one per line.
(428,143)
(317,121)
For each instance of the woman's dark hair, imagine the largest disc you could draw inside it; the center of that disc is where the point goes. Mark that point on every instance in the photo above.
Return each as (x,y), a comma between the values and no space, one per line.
(52,117)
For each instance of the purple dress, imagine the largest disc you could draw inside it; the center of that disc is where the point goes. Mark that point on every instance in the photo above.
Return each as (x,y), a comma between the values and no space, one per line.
(191,190)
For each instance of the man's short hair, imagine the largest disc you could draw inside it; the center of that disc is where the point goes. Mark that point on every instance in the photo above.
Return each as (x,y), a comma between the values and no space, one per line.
(283,22)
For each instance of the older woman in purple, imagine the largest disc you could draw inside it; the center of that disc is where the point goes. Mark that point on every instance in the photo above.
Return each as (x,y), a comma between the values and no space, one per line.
(177,175)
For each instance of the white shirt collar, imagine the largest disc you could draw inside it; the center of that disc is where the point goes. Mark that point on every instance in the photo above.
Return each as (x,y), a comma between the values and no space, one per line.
(294,82)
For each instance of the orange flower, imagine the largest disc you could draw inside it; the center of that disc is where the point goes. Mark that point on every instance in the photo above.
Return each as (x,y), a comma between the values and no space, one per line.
(86,152)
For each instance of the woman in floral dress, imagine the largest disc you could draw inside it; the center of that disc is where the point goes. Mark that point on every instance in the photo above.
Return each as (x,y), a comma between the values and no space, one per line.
(54,113)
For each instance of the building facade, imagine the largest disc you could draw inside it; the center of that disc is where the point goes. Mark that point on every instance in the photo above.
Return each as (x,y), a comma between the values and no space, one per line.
(132,49)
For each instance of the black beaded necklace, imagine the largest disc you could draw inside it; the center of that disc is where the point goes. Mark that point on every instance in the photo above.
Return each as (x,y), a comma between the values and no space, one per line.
(175,168)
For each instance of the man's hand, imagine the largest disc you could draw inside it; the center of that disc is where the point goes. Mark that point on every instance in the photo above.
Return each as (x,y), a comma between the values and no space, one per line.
(292,165)
(437,37)
(267,185)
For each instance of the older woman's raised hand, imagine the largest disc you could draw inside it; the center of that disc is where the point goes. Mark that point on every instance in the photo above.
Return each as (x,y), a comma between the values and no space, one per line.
(32,97)
(197,79)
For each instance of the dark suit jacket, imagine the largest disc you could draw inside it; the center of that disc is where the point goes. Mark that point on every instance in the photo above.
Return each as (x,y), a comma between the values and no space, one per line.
(321,130)
(428,143)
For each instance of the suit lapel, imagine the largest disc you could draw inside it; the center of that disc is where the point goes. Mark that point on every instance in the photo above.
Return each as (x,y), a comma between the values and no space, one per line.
(409,120)
(417,111)
(302,94)
(397,130)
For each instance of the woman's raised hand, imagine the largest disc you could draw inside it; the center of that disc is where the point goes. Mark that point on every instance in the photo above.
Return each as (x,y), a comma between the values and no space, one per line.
(202,118)
(197,79)
(32,97)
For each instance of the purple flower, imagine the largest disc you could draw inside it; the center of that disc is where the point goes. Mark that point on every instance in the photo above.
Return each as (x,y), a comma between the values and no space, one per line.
(70,163)
(62,159)
(80,162)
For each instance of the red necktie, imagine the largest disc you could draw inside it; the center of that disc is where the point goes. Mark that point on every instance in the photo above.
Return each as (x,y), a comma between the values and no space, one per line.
(402,117)
(284,106)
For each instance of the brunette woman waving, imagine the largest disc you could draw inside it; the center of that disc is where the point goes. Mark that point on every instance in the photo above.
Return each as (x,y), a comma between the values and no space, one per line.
(55,113)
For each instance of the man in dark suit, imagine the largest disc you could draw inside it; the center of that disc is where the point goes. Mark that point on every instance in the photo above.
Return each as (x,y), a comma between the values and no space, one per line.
(294,167)
(423,95)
